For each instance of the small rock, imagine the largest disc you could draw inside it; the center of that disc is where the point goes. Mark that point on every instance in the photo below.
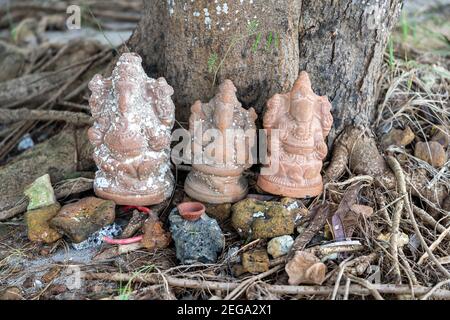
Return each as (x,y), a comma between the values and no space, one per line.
(155,237)
(305,268)
(25,143)
(432,152)
(136,223)
(441,134)
(220,212)
(80,219)
(280,246)
(232,255)
(403,239)
(45,251)
(261,219)
(38,226)
(40,193)
(398,137)
(196,241)
(28,282)
(56,289)
(12,293)
(96,239)
(256,261)
(51,274)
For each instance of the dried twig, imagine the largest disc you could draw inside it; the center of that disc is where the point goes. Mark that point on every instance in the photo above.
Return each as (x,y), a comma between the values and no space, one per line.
(434,245)
(395,229)
(368,285)
(428,219)
(9,116)
(244,285)
(276,289)
(402,188)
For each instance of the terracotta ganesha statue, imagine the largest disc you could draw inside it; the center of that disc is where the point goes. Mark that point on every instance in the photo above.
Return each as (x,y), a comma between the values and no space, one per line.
(133,115)
(302,120)
(223,135)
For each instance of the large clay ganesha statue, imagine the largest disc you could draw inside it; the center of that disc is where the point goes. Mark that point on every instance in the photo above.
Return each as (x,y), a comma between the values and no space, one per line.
(303,120)
(133,115)
(225,128)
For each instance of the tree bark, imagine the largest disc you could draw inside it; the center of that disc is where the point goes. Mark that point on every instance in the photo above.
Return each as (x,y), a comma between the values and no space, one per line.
(340,43)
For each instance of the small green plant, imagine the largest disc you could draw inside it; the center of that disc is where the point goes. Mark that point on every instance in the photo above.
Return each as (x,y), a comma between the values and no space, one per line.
(253,27)
(269,41)
(212,61)
(125,291)
(404,26)
(256,43)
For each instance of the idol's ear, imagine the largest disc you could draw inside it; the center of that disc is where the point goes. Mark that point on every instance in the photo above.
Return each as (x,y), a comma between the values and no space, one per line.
(252,115)
(96,84)
(276,106)
(163,89)
(325,115)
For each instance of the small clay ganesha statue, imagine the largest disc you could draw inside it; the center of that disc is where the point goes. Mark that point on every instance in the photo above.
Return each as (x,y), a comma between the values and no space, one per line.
(133,115)
(223,138)
(301,120)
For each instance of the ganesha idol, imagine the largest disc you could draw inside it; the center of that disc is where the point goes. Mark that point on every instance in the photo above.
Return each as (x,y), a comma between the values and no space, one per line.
(133,115)
(302,120)
(223,135)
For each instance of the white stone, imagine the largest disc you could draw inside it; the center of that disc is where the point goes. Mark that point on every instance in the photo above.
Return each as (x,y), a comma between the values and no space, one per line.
(280,246)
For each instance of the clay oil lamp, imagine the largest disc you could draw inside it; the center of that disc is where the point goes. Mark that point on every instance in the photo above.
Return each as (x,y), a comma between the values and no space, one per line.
(191,211)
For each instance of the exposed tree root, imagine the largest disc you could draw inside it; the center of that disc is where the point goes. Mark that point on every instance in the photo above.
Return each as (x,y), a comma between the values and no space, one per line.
(78,118)
(276,289)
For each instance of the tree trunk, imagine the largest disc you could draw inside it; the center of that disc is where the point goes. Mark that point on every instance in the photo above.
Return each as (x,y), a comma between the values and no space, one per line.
(262,45)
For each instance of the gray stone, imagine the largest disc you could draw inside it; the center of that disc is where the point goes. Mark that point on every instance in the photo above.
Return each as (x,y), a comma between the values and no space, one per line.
(280,246)
(196,241)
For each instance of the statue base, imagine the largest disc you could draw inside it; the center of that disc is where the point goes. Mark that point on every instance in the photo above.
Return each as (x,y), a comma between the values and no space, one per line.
(286,191)
(132,200)
(196,188)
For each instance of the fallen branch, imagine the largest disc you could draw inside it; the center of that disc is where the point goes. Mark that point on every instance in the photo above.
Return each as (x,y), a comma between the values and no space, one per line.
(9,116)
(428,219)
(434,245)
(320,215)
(276,289)
(395,226)
(402,189)
(367,285)
(245,284)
